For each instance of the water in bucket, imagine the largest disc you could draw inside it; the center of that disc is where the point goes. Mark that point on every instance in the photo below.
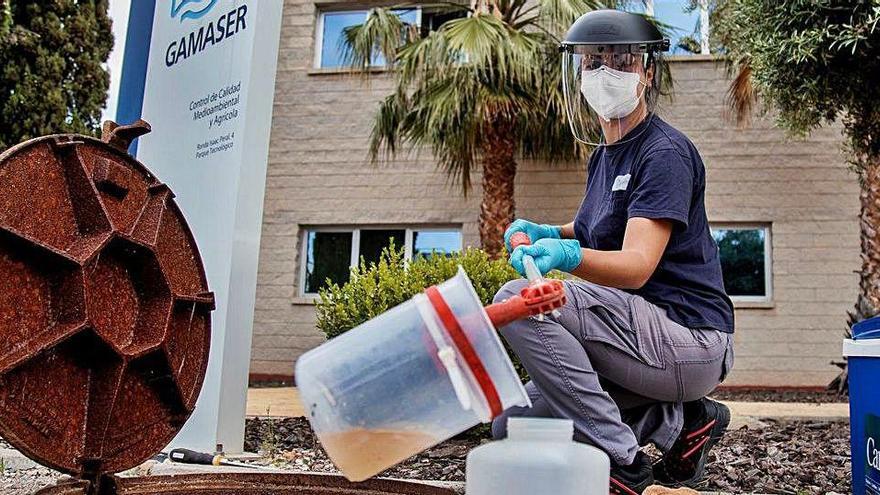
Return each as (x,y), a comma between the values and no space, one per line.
(407,380)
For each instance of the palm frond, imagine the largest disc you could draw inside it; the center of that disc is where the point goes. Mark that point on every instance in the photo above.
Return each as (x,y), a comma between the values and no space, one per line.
(556,16)
(499,67)
(514,10)
(440,114)
(426,57)
(741,96)
(386,126)
(545,129)
(445,119)
(382,33)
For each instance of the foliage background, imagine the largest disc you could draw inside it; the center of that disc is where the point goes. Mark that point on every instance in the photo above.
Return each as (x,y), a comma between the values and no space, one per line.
(52,79)
(813,62)
(742,255)
(377,287)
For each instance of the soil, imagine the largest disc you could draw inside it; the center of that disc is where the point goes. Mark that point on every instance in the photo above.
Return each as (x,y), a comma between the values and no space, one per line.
(797,457)
(747,395)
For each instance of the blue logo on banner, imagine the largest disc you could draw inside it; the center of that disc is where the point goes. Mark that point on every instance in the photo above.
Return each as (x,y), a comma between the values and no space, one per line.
(207,35)
(192,9)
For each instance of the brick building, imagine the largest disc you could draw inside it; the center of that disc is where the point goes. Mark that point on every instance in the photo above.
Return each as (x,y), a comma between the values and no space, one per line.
(793,202)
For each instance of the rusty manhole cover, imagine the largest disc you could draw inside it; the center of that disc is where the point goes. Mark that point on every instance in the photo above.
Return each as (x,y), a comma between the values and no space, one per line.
(104,306)
(248,484)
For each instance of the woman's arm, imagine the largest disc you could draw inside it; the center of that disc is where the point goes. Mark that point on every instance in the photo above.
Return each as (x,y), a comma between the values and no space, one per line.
(644,241)
(566,231)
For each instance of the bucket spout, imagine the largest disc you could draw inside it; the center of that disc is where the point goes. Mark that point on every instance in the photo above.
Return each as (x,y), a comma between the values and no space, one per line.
(537,298)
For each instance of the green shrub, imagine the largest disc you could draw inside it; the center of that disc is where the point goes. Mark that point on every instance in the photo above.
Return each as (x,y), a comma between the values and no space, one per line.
(375,288)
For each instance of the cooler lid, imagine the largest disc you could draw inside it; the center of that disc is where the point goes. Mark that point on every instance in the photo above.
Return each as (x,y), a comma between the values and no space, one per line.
(867,329)
(861,348)
(104,305)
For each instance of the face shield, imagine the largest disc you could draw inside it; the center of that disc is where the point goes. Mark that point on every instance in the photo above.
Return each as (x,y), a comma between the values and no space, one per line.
(601,82)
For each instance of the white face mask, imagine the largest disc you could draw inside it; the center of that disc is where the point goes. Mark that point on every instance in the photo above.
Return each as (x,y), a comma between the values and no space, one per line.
(611,93)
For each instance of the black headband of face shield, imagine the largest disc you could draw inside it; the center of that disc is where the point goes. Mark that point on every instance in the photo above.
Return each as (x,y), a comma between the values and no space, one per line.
(583,48)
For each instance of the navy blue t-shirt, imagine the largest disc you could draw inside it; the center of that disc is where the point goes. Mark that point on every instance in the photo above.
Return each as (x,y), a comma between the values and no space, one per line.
(656,172)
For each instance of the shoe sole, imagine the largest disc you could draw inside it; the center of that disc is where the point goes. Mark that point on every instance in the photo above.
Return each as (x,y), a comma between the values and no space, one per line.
(619,487)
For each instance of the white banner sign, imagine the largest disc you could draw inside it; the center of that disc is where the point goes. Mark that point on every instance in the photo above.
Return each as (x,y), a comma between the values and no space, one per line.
(207,92)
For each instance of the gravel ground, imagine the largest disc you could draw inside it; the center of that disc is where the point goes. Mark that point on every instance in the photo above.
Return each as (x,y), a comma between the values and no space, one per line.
(813,397)
(26,482)
(788,458)
(792,458)
(798,457)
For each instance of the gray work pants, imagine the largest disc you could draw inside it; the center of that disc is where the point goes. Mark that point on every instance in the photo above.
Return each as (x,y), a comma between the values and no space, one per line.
(616,365)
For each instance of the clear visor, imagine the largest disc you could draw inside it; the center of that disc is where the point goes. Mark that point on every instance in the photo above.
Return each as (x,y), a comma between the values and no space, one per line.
(604,75)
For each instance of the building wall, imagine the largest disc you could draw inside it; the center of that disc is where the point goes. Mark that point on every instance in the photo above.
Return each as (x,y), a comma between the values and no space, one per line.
(319,175)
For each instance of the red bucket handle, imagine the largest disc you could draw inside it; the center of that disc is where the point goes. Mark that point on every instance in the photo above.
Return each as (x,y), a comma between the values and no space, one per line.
(466,350)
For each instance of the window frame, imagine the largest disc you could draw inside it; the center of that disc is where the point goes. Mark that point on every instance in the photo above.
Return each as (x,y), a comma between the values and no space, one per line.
(767,298)
(355,231)
(319,32)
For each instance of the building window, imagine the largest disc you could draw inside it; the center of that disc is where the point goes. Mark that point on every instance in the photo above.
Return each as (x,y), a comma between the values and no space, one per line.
(687,22)
(328,256)
(329,253)
(745,261)
(331,26)
(431,18)
(439,242)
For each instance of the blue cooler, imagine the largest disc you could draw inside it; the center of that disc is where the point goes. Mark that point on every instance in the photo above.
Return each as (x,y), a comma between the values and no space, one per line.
(863,354)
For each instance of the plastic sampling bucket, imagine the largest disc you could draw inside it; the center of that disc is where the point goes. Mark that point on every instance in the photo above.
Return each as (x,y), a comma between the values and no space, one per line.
(863,356)
(410,378)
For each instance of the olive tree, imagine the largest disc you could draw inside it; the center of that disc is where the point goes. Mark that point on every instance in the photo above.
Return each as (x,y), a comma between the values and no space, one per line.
(815,62)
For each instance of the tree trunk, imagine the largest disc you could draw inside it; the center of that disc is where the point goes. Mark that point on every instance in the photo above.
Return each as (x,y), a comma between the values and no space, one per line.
(869,223)
(499,172)
(868,301)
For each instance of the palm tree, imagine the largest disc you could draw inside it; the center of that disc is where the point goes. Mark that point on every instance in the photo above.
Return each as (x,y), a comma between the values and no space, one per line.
(484,89)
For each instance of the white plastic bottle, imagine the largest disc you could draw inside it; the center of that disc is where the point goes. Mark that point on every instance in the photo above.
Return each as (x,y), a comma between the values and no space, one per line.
(538,457)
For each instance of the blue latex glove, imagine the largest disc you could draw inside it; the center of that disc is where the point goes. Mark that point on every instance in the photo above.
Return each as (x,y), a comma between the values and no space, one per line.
(549,254)
(534,230)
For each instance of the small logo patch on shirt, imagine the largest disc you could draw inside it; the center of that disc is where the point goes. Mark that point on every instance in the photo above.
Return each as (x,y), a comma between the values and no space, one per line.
(620,183)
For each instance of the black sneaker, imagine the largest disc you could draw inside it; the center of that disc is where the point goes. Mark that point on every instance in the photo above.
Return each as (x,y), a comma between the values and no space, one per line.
(632,479)
(705,422)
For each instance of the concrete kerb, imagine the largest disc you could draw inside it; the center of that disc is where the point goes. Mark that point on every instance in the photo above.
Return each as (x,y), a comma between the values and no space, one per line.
(284,402)
(753,413)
